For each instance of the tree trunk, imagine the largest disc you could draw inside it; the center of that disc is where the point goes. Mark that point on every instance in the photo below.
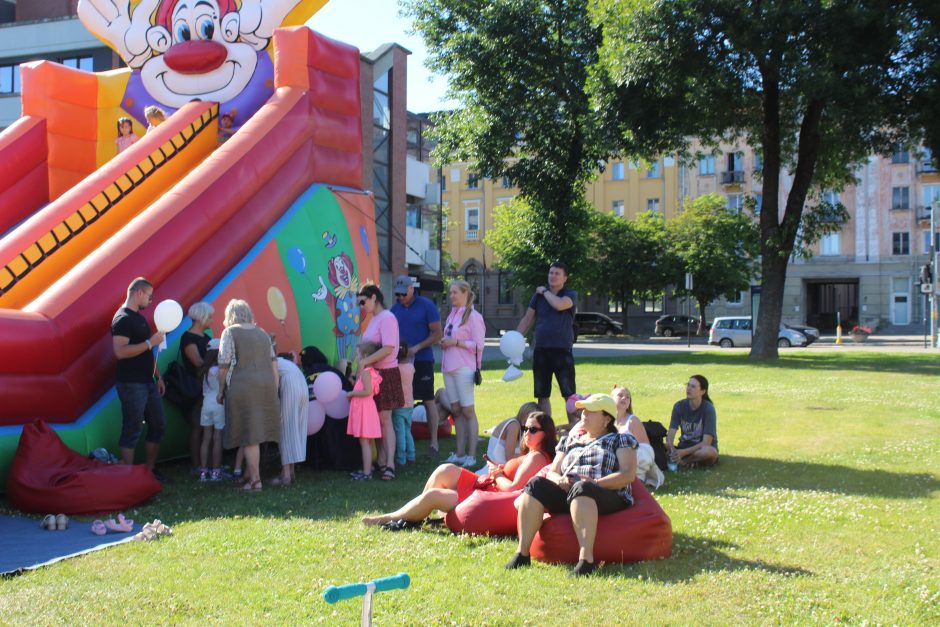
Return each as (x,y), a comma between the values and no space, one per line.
(701,318)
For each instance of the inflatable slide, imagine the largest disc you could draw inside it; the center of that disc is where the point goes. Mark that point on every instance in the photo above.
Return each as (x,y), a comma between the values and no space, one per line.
(275,214)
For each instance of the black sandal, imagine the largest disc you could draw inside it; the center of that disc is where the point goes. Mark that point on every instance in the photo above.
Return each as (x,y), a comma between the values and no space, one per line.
(401,524)
(388,474)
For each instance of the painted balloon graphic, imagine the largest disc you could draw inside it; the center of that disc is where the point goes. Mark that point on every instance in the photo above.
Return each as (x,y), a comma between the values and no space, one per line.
(297,259)
(364,237)
(277,303)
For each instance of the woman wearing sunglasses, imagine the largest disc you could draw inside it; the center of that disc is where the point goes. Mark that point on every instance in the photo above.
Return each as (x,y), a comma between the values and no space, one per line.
(449,485)
(383,330)
(590,476)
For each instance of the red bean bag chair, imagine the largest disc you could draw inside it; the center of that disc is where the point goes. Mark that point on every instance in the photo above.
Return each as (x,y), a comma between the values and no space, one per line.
(46,476)
(420,431)
(641,532)
(485,514)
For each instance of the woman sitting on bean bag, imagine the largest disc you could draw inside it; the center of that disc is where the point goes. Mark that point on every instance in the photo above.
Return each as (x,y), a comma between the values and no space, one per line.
(591,475)
(450,484)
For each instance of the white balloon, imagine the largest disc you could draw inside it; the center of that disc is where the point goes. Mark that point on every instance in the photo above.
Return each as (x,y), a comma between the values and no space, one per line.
(168,315)
(512,345)
(512,373)
(339,408)
(327,386)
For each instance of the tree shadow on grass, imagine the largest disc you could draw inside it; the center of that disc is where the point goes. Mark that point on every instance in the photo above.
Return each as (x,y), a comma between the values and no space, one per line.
(734,473)
(903,363)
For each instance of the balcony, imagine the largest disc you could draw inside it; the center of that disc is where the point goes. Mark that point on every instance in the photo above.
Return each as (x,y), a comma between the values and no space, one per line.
(732,177)
(471,235)
(418,251)
(923,213)
(926,167)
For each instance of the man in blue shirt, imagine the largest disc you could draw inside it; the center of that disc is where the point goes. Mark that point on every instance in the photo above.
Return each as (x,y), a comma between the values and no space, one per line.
(419,324)
(552,310)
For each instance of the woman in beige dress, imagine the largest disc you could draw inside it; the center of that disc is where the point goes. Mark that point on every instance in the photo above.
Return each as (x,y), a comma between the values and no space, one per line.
(248,381)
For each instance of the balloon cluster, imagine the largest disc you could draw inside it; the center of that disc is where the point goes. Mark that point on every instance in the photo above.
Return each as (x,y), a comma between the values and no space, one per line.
(330,400)
(512,345)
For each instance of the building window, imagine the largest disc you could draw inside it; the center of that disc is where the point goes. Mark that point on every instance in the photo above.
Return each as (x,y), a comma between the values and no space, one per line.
(473,181)
(830,245)
(9,79)
(830,197)
(472,220)
(413,217)
(931,195)
(901,243)
(505,289)
(445,221)
(503,200)
(616,207)
(443,184)
(900,155)
(506,182)
(736,202)
(758,162)
(85,64)
(936,242)
(652,204)
(735,161)
(900,197)
(706,165)
(455,175)
(472,276)
(735,300)
(616,170)
(758,203)
(653,172)
(654,305)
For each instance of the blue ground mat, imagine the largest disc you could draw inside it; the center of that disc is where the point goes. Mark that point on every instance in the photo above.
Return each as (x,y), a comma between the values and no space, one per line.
(25,545)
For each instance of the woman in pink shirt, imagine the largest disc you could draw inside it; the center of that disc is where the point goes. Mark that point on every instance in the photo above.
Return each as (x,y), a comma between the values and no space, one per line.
(464,332)
(383,330)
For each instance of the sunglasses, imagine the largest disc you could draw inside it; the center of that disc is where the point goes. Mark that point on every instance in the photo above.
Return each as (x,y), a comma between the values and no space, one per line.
(532,429)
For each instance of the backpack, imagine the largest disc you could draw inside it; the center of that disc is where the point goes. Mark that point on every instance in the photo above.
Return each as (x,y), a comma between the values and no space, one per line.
(656,432)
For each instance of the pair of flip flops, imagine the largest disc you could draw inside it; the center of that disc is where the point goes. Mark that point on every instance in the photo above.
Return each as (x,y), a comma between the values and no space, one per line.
(153,531)
(55,522)
(401,524)
(121,525)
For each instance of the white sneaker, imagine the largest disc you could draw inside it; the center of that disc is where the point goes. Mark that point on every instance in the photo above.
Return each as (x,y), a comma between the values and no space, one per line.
(453,459)
(468,461)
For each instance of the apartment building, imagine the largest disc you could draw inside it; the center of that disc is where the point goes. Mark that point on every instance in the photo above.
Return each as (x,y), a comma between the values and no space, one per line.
(868,272)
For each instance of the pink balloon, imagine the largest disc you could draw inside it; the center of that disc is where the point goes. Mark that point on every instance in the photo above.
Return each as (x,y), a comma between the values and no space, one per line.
(316,415)
(339,408)
(574,398)
(326,387)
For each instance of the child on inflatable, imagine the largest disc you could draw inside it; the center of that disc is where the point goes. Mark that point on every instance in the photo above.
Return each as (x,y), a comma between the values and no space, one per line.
(364,422)
(126,136)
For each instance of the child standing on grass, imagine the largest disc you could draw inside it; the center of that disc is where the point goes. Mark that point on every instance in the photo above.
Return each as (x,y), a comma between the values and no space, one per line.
(364,422)
(126,136)
(212,417)
(401,417)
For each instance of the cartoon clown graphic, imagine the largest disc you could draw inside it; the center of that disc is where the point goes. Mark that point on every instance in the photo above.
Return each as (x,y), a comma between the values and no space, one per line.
(342,302)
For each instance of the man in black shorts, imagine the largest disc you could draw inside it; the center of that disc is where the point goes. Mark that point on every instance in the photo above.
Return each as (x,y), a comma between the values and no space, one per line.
(139,385)
(552,310)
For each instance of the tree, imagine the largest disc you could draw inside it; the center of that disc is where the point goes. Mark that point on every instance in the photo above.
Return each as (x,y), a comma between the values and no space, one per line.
(718,246)
(518,69)
(815,86)
(630,258)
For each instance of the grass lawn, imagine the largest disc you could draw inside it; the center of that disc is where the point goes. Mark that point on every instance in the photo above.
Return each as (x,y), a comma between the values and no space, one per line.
(823,509)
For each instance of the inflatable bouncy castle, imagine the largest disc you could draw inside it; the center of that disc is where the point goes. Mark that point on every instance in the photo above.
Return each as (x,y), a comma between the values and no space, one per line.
(275,214)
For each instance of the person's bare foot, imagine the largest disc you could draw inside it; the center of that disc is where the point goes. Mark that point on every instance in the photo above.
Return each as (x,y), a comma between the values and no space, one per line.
(370,521)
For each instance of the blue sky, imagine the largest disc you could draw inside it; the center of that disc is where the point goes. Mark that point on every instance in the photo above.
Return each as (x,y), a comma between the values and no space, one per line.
(367,24)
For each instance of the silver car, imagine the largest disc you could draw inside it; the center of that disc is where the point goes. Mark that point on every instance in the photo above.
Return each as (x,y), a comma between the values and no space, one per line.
(738,330)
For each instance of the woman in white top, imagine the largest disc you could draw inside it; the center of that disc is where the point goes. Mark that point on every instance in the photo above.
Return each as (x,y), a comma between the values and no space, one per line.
(646,469)
(504,437)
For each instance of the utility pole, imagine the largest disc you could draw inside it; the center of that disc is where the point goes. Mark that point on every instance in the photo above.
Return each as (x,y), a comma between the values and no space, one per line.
(934,259)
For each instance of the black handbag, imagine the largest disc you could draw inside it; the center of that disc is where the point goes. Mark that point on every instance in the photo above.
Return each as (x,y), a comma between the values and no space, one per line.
(182,388)
(477,376)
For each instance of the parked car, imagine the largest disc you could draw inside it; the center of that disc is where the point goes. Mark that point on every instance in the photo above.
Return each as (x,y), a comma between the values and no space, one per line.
(811,333)
(737,331)
(676,324)
(589,323)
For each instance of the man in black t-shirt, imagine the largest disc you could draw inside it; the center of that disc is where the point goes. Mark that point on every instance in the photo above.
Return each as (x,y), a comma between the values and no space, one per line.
(139,385)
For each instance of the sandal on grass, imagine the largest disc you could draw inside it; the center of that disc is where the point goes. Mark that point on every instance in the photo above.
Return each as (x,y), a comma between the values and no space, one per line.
(401,524)
(388,474)
(360,476)
(252,486)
